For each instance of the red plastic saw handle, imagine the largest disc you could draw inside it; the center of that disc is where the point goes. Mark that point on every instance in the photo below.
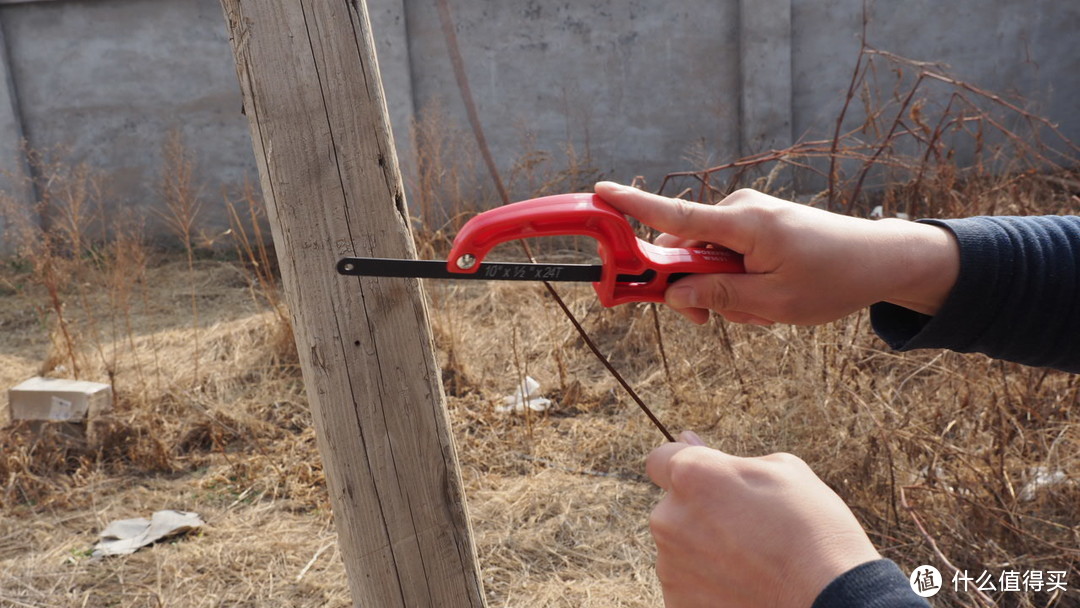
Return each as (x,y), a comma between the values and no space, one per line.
(621,251)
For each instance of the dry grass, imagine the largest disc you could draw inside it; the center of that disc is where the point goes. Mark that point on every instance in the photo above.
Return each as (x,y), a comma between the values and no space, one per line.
(558,501)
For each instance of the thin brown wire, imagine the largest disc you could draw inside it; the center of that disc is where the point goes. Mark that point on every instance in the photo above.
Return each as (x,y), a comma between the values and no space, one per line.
(458,64)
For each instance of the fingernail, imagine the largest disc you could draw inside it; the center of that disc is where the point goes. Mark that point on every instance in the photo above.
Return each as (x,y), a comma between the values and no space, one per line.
(691,438)
(681,296)
(612,186)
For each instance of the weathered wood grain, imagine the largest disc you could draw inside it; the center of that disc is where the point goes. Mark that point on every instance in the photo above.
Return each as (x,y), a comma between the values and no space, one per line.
(332,186)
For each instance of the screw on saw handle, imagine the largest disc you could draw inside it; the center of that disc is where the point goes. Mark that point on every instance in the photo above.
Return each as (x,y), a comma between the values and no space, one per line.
(621,251)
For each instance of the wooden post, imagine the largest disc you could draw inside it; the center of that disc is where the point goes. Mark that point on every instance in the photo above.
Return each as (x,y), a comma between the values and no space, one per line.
(332,187)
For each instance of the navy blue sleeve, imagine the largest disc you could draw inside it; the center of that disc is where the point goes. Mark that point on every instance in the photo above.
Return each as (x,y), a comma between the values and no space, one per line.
(1017,296)
(876,584)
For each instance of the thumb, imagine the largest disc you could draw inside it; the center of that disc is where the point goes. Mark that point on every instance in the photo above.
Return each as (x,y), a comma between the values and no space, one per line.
(657,465)
(719,292)
(664,459)
(690,438)
(739,297)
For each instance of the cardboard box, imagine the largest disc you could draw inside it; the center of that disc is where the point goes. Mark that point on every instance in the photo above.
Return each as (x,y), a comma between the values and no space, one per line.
(59,400)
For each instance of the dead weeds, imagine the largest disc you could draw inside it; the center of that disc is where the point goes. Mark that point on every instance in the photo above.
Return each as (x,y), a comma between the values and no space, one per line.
(557,499)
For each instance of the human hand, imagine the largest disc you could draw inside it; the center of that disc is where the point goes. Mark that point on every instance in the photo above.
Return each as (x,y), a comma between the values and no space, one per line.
(747,532)
(804,266)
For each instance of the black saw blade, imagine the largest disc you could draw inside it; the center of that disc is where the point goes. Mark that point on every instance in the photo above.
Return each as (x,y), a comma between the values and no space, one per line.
(487,271)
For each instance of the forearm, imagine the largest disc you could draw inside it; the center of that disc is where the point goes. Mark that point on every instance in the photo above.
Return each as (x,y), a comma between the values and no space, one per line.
(1016,297)
(922,262)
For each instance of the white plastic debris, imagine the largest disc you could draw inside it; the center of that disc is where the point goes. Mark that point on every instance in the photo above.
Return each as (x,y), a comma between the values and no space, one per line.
(126,536)
(879,212)
(1041,477)
(527,395)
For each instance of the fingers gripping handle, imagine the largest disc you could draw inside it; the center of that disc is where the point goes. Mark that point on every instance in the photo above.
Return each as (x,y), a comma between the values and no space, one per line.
(621,252)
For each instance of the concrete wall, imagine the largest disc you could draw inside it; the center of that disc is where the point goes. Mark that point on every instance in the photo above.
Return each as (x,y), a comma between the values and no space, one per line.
(108,80)
(639,85)
(1028,48)
(636,83)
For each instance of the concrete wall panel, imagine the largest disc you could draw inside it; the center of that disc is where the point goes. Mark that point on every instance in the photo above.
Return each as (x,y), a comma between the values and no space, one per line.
(643,87)
(637,84)
(1026,48)
(108,80)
